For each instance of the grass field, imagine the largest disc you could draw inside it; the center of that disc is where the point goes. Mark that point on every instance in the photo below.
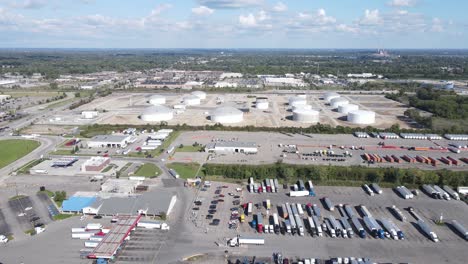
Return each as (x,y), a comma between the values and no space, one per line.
(189,148)
(185,170)
(148,170)
(25,169)
(14,149)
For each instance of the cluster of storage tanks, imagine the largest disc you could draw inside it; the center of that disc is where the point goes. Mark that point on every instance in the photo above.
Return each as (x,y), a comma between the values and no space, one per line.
(354,115)
(302,112)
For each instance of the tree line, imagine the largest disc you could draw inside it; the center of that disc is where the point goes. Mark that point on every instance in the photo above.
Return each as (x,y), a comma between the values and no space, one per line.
(290,173)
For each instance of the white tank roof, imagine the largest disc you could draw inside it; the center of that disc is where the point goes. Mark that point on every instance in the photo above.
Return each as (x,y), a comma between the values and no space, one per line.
(226,114)
(157,99)
(336,102)
(361,117)
(199,94)
(345,109)
(306,115)
(328,96)
(157,113)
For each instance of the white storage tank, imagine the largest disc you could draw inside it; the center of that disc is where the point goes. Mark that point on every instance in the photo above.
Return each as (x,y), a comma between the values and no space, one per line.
(306,115)
(157,113)
(191,100)
(199,94)
(336,102)
(295,101)
(346,108)
(307,107)
(262,103)
(227,115)
(157,100)
(362,117)
(328,96)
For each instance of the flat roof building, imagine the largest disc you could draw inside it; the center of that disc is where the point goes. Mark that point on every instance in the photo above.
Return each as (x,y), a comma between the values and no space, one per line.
(236,147)
(109,141)
(95,164)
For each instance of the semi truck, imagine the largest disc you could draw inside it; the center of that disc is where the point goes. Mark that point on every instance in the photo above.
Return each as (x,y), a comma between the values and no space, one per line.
(347,226)
(309,209)
(268,204)
(276,223)
(398,213)
(301,185)
(239,241)
(443,194)
(429,191)
(317,211)
(291,218)
(400,233)
(334,224)
(460,229)
(389,228)
(376,188)
(273,187)
(174,173)
(428,231)
(374,227)
(358,226)
(267,185)
(299,209)
(317,225)
(284,211)
(330,228)
(249,208)
(452,193)
(404,192)
(276,184)
(329,204)
(259,222)
(300,224)
(287,225)
(368,190)
(312,229)
(299,193)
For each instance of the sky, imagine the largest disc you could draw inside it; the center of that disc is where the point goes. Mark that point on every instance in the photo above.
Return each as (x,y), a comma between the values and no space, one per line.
(324,24)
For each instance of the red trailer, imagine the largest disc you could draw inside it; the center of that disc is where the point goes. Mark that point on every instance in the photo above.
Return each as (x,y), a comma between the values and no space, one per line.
(454,161)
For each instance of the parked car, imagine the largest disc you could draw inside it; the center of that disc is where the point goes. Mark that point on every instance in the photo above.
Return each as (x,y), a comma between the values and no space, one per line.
(195,208)
(221,200)
(209,217)
(97,217)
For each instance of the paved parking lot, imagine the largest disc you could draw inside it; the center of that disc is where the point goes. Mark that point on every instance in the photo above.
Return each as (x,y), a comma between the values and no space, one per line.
(4,227)
(143,246)
(25,213)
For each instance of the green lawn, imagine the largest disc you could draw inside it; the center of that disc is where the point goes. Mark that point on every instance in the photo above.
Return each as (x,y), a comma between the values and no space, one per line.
(189,148)
(108,168)
(25,169)
(62,216)
(148,170)
(185,170)
(14,149)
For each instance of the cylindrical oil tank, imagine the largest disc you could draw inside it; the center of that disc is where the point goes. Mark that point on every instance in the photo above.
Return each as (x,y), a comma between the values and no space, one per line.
(157,100)
(191,100)
(262,103)
(227,115)
(200,94)
(362,117)
(157,113)
(295,101)
(328,96)
(306,116)
(336,102)
(346,108)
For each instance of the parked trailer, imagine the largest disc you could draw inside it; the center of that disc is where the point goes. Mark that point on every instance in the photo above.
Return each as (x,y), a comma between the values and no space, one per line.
(96,238)
(334,224)
(300,224)
(239,241)
(83,235)
(344,232)
(429,190)
(347,226)
(398,213)
(329,204)
(276,223)
(428,231)
(444,195)
(400,233)
(396,159)
(276,184)
(78,229)
(460,229)
(174,173)
(251,180)
(291,218)
(249,208)
(368,190)
(299,193)
(317,225)
(267,185)
(358,226)
(301,185)
(452,193)
(454,161)
(390,229)
(299,209)
(259,222)
(446,161)
(268,204)
(376,188)
(309,209)
(341,210)
(93,226)
(287,225)
(370,225)
(317,211)
(403,192)
(365,211)
(312,229)
(273,187)
(349,210)
(284,211)
(330,228)
(91,244)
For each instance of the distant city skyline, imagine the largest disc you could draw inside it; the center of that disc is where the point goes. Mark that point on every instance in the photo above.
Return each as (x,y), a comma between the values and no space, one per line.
(224,24)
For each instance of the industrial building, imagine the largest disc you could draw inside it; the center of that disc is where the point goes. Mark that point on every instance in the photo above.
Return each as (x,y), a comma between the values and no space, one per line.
(95,164)
(64,162)
(361,117)
(306,115)
(235,147)
(109,141)
(153,203)
(157,100)
(227,115)
(4,97)
(75,204)
(89,114)
(284,81)
(157,113)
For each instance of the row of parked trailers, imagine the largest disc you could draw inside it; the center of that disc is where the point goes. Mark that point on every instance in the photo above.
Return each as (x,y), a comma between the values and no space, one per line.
(391,135)
(267,185)
(436,192)
(375,158)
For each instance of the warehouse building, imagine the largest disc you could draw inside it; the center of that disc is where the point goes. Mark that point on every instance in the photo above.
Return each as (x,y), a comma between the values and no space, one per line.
(236,147)
(95,164)
(109,141)
(89,114)
(75,204)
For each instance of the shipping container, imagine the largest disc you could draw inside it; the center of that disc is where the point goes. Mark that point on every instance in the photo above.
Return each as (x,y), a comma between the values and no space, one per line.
(452,193)
(460,229)
(329,204)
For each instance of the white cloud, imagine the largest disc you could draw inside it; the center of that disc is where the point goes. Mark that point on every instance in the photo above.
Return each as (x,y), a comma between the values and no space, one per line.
(248,20)
(437,25)
(402,3)
(347,28)
(159,9)
(319,18)
(371,17)
(219,4)
(29,4)
(251,20)
(202,11)
(280,7)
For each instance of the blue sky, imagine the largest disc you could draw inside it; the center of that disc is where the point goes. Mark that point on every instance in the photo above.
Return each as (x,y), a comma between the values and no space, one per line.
(234,24)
